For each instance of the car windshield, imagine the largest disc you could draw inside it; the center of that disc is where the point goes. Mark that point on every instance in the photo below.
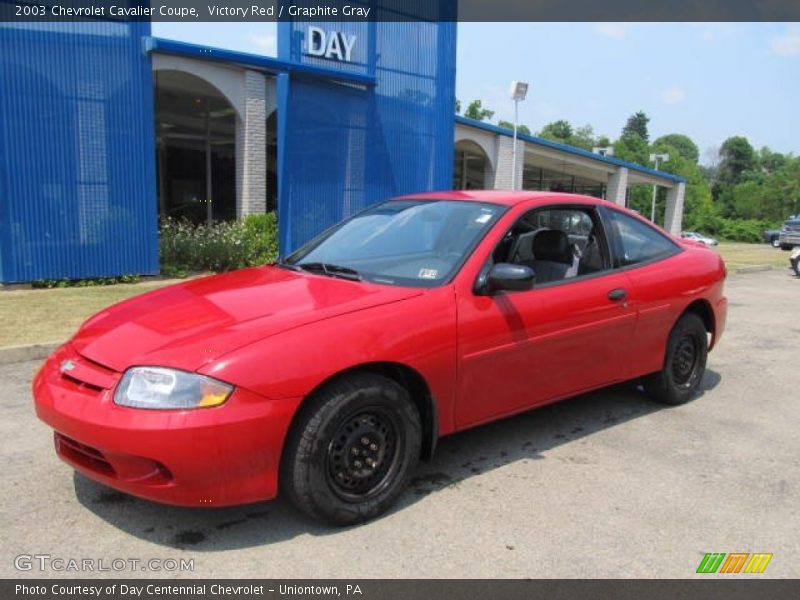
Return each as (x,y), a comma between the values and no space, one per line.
(418,243)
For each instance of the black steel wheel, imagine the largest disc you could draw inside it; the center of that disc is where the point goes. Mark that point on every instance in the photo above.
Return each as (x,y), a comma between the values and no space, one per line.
(351,449)
(363,455)
(684,362)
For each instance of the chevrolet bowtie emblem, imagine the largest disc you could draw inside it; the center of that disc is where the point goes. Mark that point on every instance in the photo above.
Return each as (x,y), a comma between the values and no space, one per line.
(67,365)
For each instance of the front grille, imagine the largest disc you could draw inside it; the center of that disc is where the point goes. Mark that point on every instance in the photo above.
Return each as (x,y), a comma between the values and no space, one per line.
(83,455)
(83,385)
(86,374)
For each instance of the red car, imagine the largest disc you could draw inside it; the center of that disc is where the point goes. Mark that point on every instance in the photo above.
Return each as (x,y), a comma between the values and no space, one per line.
(332,371)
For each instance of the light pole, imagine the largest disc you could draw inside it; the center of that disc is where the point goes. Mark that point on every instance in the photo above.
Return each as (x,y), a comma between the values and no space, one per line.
(603,151)
(519,89)
(655,158)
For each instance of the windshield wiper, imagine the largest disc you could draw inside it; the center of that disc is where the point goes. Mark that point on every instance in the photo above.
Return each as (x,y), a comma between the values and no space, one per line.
(330,269)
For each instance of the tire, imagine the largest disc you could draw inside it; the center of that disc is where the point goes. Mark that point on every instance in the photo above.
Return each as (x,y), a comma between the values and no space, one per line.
(684,362)
(786,246)
(349,454)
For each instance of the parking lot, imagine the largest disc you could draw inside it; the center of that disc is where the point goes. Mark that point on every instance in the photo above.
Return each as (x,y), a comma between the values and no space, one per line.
(604,485)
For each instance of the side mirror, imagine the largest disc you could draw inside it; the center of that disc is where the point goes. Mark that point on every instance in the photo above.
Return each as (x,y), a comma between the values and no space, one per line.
(514,278)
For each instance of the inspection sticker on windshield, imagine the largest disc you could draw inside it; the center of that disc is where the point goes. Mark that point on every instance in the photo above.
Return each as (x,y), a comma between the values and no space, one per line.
(428,273)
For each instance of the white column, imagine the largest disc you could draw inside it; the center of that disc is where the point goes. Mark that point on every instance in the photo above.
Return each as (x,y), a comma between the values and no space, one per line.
(504,179)
(239,145)
(673,218)
(617,186)
(251,147)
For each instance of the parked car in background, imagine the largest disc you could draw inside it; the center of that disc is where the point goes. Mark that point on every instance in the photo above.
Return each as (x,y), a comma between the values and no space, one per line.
(772,237)
(794,260)
(790,233)
(699,237)
(333,371)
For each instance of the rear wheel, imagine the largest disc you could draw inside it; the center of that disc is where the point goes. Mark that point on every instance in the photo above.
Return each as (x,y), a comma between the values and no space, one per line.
(684,362)
(349,454)
(786,246)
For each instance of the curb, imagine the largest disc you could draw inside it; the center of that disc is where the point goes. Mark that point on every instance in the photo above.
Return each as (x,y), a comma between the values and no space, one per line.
(753,269)
(16,354)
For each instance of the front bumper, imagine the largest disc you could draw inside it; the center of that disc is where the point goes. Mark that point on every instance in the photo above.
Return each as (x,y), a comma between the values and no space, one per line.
(794,261)
(790,238)
(218,456)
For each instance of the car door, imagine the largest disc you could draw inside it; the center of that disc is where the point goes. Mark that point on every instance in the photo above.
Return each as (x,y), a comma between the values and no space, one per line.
(521,349)
(641,251)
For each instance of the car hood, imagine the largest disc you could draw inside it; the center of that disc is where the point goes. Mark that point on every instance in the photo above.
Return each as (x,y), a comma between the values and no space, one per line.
(191,324)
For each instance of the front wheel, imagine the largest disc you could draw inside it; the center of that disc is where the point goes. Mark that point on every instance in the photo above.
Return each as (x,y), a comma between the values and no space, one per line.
(786,247)
(349,454)
(684,362)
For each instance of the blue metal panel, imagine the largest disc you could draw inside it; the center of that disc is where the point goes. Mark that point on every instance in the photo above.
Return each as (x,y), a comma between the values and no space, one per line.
(77,169)
(343,147)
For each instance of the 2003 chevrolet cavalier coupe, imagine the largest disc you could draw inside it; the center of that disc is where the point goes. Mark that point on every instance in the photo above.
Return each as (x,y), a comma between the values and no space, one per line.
(334,370)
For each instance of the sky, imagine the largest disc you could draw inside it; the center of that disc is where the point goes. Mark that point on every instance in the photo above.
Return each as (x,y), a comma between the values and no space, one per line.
(707,80)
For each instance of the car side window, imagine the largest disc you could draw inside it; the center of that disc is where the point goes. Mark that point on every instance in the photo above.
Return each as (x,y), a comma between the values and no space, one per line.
(638,242)
(558,243)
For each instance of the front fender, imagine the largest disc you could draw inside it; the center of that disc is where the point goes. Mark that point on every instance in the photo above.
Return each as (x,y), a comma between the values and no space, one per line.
(418,332)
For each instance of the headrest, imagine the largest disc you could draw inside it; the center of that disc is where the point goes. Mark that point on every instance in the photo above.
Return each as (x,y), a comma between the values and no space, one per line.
(552,245)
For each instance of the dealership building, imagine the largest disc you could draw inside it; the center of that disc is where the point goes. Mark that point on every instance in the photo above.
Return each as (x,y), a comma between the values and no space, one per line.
(106,128)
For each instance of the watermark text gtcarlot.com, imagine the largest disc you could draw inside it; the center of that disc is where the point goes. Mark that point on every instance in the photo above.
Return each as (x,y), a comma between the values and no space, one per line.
(61,564)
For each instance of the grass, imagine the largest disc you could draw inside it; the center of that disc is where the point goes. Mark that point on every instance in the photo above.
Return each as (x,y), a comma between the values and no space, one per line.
(738,255)
(52,315)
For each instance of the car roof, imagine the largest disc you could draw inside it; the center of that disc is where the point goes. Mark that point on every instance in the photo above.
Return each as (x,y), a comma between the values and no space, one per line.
(506,197)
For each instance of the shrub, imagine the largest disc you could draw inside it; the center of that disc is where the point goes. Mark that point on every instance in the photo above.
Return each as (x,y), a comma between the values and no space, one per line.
(217,247)
(65,283)
(710,222)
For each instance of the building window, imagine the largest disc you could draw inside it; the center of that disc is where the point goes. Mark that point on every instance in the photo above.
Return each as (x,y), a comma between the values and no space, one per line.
(196,149)
(546,180)
(470,167)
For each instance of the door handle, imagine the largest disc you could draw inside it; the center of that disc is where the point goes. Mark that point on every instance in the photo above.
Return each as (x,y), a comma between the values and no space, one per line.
(617,295)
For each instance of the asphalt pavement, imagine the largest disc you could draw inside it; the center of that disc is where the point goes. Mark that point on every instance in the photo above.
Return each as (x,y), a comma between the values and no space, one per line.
(608,484)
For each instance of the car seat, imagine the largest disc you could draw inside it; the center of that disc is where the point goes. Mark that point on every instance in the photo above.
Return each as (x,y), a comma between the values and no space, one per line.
(554,257)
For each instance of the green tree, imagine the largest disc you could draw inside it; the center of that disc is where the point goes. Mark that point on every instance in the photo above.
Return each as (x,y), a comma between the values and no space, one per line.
(770,161)
(633,148)
(681,144)
(475,110)
(736,157)
(557,131)
(637,125)
(584,137)
(698,206)
(524,129)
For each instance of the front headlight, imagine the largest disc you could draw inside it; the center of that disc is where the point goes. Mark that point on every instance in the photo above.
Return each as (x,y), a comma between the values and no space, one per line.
(161,388)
